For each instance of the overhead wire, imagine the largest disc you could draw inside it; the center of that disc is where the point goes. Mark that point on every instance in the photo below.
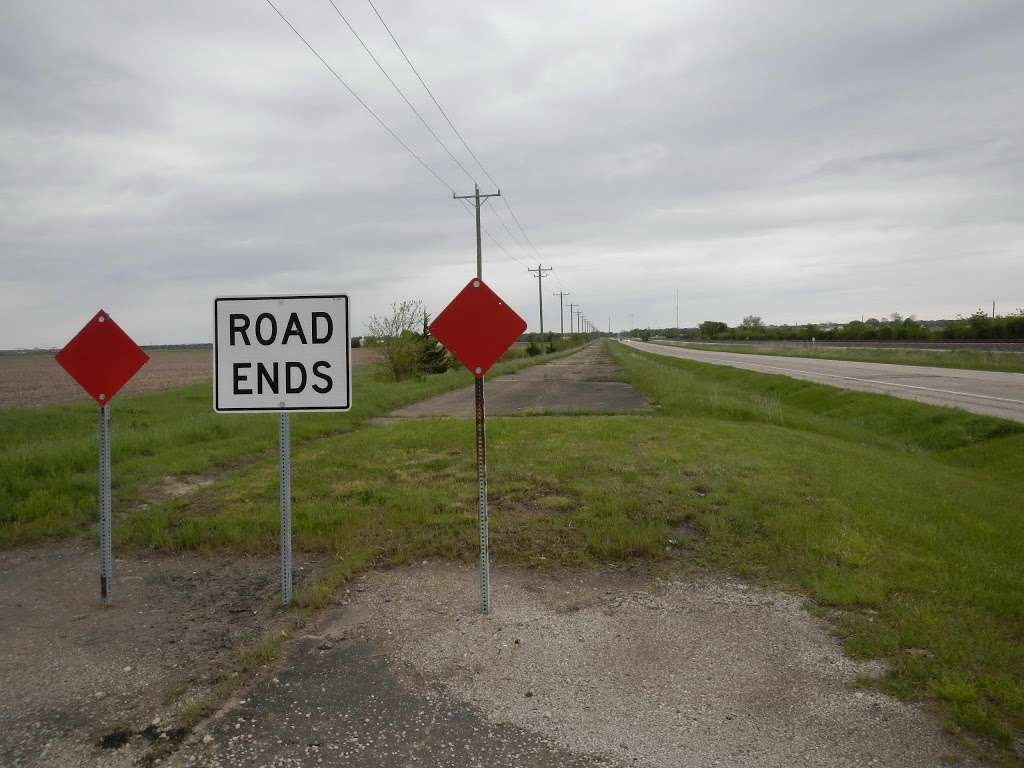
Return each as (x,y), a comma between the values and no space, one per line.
(424,122)
(394,135)
(461,138)
(431,94)
(362,103)
(399,91)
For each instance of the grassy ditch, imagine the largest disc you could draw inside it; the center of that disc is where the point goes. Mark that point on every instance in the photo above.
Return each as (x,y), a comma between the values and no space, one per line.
(903,517)
(977,360)
(48,456)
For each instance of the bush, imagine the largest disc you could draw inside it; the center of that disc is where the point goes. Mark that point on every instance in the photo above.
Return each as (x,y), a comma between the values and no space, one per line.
(532,349)
(406,353)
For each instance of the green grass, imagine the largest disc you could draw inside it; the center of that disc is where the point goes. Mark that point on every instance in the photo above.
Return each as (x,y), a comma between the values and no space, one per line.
(978,360)
(48,457)
(904,517)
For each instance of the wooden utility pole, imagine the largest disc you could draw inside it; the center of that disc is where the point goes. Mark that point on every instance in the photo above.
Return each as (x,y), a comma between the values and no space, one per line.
(542,272)
(561,310)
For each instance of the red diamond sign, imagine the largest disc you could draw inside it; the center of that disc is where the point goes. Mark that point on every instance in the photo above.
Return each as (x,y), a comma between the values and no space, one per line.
(477,327)
(101,358)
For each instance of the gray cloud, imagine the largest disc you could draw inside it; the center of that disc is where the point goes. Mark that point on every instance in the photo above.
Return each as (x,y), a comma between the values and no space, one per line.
(799,160)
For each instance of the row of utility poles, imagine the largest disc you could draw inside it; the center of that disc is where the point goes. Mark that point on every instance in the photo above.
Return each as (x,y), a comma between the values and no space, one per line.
(578,323)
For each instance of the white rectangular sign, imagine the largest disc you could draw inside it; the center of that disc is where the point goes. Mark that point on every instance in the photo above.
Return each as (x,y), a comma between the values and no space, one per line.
(282,353)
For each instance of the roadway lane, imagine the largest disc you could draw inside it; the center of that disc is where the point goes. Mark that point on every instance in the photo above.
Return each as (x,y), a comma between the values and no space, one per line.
(990,393)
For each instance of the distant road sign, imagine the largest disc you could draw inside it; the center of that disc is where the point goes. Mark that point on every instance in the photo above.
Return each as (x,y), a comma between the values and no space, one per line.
(477,327)
(101,358)
(282,353)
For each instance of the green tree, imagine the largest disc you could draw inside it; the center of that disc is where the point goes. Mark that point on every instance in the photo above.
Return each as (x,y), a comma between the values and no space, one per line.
(433,357)
(395,336)
(711,328)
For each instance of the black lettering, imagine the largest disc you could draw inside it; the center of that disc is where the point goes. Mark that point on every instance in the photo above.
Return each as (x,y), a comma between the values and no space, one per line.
(330,327)
(237,378)
(328,383)
(239,324)
(294,328)
(264,374)
(273,329)
(289,387)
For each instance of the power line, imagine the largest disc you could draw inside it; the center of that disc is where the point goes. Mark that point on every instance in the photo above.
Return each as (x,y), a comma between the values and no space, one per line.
(461,138)
(380,121)
(362,103)
(431,94)
(399,90)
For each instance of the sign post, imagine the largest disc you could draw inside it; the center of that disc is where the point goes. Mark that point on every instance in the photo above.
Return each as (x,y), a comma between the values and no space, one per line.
(284,453)
(282,354)
(102,358)
(476,328)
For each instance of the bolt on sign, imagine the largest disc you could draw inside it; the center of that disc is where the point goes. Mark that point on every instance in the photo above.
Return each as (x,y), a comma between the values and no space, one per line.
(102,358)
(476,328)
(282,354)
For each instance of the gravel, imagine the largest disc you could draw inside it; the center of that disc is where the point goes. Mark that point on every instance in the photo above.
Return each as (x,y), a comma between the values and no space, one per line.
(707,671)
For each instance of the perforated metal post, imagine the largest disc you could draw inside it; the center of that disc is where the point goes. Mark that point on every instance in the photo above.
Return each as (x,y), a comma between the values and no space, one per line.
(284,455)
(106,558)
(481,477)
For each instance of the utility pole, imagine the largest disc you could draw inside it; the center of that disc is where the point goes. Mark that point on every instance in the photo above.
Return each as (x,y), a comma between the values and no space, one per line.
(579,319)
(542,272)
(561,310)
(677,309)
(572,318)
(481,435)
(477,198)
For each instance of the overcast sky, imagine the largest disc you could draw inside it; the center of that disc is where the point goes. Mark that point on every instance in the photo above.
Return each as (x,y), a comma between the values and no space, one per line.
(804,161)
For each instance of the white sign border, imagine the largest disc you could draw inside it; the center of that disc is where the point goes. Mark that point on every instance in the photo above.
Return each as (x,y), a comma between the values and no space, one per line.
(348,353)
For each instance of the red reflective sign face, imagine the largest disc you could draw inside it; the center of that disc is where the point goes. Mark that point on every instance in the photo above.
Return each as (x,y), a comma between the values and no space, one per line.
(477,327)
(101,358)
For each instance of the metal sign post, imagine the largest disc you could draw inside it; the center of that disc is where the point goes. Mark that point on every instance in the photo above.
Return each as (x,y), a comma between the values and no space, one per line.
(477,327)
(106,556)
(282,354)
(481,481)
(285,466)
(102,358)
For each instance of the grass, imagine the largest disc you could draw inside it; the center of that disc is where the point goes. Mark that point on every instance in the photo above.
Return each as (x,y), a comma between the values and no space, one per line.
(978,360)
(900,519)
(903,517)
(48,456)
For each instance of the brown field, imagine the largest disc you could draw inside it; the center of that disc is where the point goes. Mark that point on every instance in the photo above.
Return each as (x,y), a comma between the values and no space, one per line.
(35,379)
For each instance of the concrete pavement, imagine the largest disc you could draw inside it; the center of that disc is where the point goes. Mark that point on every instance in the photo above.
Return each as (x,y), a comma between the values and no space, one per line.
(989,393)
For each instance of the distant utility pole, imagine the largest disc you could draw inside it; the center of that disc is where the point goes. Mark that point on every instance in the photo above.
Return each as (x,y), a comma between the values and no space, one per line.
(677,309)
(561,310)
(572,318)
(993,309)
(609,325)
(542,272)
(579,319)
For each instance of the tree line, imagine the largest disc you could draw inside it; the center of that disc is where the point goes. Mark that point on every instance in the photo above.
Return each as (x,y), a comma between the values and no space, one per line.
(979,326)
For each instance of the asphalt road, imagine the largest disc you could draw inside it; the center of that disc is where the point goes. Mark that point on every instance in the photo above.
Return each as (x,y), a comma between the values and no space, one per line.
(586,381)
(990,393)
